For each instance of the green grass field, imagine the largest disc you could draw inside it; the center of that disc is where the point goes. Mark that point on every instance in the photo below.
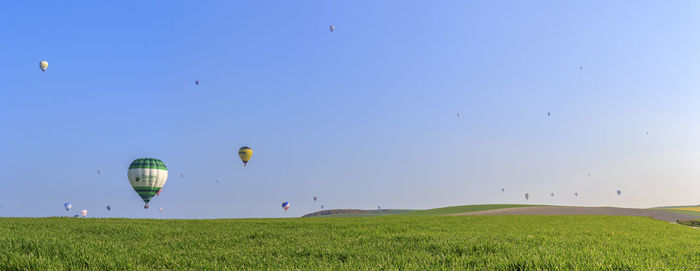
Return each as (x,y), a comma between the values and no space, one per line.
(382,242)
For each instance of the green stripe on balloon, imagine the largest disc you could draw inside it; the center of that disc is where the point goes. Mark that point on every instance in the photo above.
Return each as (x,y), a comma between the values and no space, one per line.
(148,163)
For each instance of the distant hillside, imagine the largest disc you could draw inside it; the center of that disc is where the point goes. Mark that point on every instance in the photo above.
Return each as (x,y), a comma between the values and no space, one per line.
(408,212)
(355,213)
(690,210)
(464,209)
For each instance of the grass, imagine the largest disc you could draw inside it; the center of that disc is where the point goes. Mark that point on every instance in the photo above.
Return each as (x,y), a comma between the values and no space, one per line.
(382,242)
(692,223)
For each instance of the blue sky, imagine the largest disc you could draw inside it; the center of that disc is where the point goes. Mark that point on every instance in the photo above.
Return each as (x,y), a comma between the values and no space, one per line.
(360,117)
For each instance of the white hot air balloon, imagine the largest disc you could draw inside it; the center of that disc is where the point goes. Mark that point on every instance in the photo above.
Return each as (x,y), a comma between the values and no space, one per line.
(332,27)
(43,65)
(147,176)
(83,213)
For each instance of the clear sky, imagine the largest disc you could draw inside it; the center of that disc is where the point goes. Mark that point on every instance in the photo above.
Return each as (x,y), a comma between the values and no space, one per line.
(361,117)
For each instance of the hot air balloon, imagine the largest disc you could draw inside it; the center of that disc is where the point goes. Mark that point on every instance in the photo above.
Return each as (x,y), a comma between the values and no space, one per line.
(527,196)
(315,198)
(619,192)
(43,65)
(548,114)
(552,194)
(109,208)
(503,190)
(245,153)
(160,209)
(196,82)
(285,206)
(321,206)
(83,213)
(576,194)
(147,176)
(580,67)
(458,114)
(182,176)
(332,27)
(99,172)
(67,205)
(76,216)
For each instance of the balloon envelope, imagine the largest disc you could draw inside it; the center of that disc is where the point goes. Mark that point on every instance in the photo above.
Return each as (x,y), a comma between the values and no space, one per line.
(285,205)
(245,153)
(527,196)
(147,176)
(43,65)
(67,205)
(109,208)
(619,192)
(332,27)
(83,213)
(315,198)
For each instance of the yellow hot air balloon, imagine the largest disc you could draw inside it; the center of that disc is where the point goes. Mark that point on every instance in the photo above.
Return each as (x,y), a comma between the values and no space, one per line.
(245,153)
(43,65)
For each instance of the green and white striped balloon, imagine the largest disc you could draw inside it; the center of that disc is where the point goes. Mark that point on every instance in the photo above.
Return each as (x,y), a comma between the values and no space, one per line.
(147,176)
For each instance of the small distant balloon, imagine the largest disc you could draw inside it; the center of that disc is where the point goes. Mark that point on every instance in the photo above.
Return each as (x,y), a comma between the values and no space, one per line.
(182,176)
(76,216)
(332,27)
(83,213)
(503,190)
(619,192)
(43,65)
(109,208)
(321,206)
(160,209)
(245,153)
(99,172)
(552,194)
(458,114)
(67,205)
(527,196)
(580,67)
(315,198)
(549,114)
(196,82)
(285,206)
